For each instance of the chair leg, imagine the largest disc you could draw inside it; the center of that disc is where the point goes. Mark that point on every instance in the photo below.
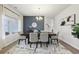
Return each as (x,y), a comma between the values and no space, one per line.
(36,45)
(35,48)
(51,41)
(40,44)
(46,44)
(30,45)
(57,42)
(25,41)
(19,41)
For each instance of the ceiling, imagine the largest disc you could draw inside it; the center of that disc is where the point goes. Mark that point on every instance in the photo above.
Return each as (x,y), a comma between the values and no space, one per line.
(40,9)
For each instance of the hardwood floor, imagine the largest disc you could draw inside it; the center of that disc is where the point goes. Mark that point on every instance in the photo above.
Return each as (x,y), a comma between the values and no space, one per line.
(69,47)
(3,50)
(25,49)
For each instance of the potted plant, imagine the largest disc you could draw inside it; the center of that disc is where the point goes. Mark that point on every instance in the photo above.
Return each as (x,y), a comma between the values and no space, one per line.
(76,30)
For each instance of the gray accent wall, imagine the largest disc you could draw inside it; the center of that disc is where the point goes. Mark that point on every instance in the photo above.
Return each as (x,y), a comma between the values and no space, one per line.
(27,22)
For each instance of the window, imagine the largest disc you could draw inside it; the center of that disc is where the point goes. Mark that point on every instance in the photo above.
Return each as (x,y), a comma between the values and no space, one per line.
(10,25)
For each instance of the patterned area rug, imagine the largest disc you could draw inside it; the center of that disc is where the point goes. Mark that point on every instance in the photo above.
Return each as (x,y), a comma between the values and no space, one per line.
(25,49)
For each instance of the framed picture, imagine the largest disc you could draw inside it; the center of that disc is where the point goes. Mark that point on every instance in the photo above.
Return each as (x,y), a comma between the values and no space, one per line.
(70,20)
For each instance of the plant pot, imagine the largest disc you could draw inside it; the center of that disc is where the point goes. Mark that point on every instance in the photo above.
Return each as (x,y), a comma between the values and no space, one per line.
(78,36)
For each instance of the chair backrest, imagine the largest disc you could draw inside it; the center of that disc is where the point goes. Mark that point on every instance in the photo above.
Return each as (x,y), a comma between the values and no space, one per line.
(55,36)
(22,37)
(35,30)
(44,36)
(33,37)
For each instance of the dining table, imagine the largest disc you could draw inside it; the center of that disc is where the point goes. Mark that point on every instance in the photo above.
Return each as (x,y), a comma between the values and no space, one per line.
(27,35)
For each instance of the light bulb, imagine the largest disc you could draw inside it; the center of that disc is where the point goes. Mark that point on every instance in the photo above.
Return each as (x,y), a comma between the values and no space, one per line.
(40,18)
(37,18)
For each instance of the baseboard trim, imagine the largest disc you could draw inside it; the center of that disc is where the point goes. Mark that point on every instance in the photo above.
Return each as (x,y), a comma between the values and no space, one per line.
(5,49)
(69,47)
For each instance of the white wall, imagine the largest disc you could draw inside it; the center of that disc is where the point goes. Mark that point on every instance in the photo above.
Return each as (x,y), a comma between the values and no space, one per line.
(1,44)
(65,31)
(48,24)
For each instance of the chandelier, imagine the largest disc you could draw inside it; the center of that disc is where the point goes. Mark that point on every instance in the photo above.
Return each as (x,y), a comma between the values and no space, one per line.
(39,17)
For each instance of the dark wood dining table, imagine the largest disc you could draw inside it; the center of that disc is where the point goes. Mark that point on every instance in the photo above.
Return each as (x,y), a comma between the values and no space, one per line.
(49,35)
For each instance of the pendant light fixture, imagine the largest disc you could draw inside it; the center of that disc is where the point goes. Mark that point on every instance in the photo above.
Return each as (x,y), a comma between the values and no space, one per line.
(39,18)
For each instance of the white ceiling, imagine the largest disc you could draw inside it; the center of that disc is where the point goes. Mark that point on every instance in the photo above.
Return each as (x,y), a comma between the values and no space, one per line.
(45,9)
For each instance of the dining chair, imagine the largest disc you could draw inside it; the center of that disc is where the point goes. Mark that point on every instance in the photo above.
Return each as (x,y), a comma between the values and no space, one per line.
(22,38)
(33,38)
(44,38)
(54,38)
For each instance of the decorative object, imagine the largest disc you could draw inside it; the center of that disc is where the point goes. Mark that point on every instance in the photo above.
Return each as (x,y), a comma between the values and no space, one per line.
(34,24)
(28,24)
(48,25)
(70,20)
(63,23)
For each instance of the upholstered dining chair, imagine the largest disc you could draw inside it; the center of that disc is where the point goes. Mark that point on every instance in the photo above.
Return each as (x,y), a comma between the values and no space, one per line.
(54,38)
(44,38)
(22,38)
(33,38)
